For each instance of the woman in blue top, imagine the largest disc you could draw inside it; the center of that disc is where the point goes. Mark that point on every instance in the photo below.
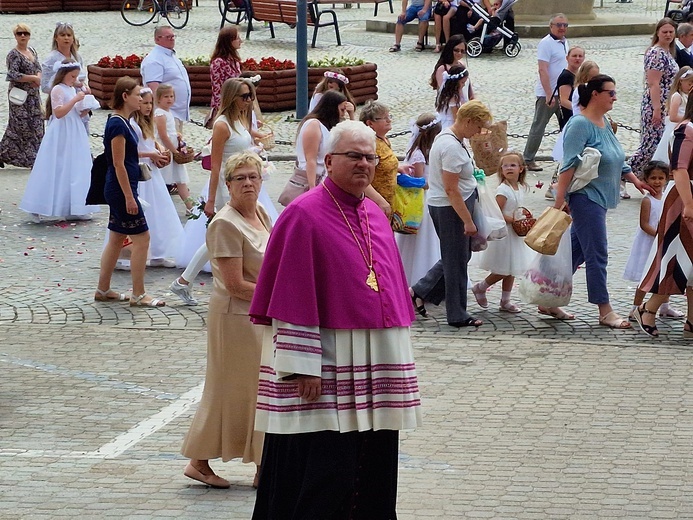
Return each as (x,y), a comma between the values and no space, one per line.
(588,205)
(126,216)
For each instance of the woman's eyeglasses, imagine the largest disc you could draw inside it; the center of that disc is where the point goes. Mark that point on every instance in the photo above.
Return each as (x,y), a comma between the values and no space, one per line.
(242,178)
(247,96)
(356,156)
(22,33)
(612,93)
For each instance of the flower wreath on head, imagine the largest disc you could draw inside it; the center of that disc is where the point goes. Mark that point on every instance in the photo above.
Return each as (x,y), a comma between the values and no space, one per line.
(447,76)
(60,65)
(336,75)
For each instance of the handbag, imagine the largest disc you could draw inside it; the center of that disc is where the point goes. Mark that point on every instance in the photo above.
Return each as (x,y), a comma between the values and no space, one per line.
(18,96)
(297,185)
(98,181)
(547,231)
(145,172)
(587,170)
(408,204)
(205,156)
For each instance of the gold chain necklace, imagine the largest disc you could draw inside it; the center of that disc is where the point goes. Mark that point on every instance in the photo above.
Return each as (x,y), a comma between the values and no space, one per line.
(371,280)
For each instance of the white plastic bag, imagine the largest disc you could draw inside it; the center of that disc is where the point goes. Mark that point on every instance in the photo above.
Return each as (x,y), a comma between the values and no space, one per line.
(488,217)
(549,280)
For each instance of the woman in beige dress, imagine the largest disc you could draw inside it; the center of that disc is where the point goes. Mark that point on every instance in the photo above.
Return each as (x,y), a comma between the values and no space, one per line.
(237,236)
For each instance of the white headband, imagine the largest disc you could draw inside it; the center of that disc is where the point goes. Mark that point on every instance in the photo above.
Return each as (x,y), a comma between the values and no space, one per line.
(433,123)
(60,65)
(336,75)
(255,79)
(145,90)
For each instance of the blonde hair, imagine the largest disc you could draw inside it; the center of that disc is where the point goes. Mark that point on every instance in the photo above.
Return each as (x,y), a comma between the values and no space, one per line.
(21,27)
(523,167)
(146,123)
(238,160)
(230,92)
(66,28)
(585,71)
(676,84)
(655,37)
(476,111)
(163,88)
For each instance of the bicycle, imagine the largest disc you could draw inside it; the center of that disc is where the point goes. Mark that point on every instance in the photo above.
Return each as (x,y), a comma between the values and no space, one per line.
(141,12)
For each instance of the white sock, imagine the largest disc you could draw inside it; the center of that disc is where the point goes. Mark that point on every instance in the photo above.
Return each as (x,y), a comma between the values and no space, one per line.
(505,296)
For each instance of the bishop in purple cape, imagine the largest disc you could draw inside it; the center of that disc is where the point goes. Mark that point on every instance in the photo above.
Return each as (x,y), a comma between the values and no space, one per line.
(338,379)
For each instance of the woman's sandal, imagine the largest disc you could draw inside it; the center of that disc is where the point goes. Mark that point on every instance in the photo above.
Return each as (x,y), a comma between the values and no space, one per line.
(509,307)
(136,301)
(419,46)
(396,48)
(688,332)
(109,296)
(559,314)
(420,309)
(469,322)
(650,330)
(671,313)
(614,321)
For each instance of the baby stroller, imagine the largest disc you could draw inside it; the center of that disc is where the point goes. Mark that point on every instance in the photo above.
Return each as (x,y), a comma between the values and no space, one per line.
(493,31)
(680,13)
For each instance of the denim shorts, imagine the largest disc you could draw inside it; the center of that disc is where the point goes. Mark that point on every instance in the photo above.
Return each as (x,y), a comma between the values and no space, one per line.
(413,12)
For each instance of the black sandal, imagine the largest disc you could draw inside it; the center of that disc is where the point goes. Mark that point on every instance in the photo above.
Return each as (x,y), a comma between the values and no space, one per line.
(650,330)
(688,330)
(420,309)
(469,322)
(419,46)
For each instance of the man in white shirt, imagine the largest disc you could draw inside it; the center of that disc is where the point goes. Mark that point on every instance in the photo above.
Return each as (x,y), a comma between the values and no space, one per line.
(551,53)
(162,65)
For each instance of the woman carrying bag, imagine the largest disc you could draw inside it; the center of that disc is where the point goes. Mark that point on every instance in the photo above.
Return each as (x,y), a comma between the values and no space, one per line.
(589,204)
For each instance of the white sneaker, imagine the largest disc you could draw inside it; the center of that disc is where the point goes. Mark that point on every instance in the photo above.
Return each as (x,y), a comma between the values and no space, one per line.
(161,262)
(122,265)
(183,292)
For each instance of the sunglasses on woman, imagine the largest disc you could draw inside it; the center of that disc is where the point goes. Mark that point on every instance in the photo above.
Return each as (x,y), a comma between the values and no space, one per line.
(247,96)
(22,33)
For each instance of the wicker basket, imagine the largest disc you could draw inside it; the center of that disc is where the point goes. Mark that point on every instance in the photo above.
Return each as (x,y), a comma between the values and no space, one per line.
(523,221)
(184,158)
(267,139)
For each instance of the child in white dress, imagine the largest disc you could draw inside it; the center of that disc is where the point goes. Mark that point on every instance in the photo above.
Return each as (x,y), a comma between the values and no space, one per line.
(61,176)
(509,257)
(656,174)
(168,136)
(162,218)
(676,107)
(333,80)
(421,251)
(452,94)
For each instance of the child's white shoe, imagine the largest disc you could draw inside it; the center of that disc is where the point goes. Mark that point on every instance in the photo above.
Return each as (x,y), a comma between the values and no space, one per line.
(509,307)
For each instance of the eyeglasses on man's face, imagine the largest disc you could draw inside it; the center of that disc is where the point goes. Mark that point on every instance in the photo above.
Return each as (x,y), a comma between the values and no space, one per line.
(561,25)
(389,119)
(356,156)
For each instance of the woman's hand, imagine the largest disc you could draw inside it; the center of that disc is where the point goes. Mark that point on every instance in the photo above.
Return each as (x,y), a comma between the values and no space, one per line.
(209,208)
(643,187)
(131,206)
(687,213)
(470,229)
(349,110)
(407,169)
(657,117)
(309,387)
(385,206)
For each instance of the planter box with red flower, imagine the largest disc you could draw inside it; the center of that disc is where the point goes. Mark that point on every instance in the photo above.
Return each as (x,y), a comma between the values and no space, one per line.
(104,75)
(276,92)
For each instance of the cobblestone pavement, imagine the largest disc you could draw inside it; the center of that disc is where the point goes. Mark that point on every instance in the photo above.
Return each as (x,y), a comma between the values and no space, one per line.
(524,418)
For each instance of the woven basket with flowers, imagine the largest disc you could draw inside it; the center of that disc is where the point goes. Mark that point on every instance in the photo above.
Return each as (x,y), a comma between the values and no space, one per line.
(523,221)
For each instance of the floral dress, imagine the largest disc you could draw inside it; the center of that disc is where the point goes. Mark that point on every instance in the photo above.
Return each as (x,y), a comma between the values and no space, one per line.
(659,59)
(220,70)
(24,130)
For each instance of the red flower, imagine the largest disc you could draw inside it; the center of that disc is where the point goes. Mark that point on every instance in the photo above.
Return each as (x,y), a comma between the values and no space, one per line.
(105,63)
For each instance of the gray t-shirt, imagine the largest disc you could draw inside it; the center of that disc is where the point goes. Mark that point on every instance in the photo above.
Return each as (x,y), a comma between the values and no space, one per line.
(449,153)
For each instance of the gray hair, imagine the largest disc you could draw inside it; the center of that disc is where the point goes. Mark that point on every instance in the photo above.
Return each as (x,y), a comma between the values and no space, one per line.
(556,16)
(354,129)
(684,29)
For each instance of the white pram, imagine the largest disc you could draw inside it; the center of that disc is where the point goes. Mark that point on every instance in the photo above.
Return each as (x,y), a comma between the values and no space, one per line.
(494,31)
